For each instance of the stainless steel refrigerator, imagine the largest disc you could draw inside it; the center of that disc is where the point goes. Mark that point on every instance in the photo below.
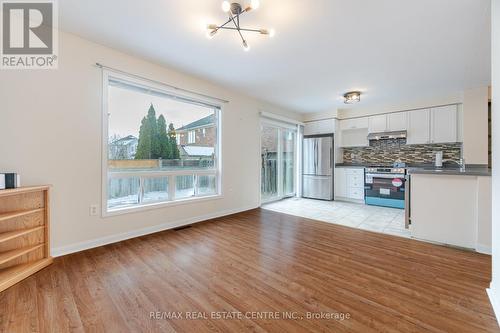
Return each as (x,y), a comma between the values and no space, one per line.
(317,167)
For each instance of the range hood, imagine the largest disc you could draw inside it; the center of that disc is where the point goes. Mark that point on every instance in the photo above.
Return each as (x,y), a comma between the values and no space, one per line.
(387,135)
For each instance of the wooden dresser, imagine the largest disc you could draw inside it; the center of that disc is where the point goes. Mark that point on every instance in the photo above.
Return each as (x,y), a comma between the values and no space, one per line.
(24,233)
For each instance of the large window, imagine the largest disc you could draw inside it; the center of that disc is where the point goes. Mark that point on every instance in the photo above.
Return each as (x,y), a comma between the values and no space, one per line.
(153,155)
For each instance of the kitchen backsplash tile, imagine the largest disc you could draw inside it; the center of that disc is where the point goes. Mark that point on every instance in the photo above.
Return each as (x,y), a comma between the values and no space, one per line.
(388,151)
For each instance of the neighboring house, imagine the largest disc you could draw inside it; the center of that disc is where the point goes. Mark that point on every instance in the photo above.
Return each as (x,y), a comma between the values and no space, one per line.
(196,142)
(198,133)
(196,151)
(197,156)
(124,148)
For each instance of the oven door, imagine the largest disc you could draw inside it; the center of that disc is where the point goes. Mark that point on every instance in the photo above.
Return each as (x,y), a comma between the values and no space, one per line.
(386,188)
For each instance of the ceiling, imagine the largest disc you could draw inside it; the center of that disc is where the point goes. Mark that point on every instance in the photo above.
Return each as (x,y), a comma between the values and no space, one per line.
(391,50)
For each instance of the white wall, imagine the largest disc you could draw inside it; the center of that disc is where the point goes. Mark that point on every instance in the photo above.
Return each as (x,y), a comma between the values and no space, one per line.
(320,115)
(475,130)
(50,129)
(494,290)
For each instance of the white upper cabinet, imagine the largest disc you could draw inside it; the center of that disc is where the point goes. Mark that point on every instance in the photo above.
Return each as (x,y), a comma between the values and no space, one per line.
(397,121)
(418,127)
(460,123)
(435,125)
(444,124)
(326,126)
(353,132)
(354,138)
(377,124)
(355,123)
(311,128)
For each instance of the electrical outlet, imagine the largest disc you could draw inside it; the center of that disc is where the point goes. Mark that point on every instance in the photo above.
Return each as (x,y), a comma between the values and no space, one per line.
(94,210)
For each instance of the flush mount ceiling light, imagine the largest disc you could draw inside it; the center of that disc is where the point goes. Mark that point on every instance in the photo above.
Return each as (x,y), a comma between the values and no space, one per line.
(234,11)
(352,97)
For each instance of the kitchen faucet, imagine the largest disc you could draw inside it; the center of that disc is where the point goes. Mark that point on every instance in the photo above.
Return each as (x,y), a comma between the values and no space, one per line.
(460,163)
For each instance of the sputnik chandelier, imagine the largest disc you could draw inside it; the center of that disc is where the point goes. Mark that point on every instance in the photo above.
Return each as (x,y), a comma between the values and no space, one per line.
(235,10)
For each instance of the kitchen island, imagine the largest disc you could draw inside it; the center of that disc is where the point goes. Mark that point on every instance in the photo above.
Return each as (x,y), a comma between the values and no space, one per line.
(451,206)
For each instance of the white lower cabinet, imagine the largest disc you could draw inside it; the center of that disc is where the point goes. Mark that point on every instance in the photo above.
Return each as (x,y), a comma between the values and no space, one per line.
(350,183)
(340,183)
(355,179)
(356,193)
(451,209)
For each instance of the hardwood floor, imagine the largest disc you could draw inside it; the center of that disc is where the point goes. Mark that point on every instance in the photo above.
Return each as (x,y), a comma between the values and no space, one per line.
(255,264)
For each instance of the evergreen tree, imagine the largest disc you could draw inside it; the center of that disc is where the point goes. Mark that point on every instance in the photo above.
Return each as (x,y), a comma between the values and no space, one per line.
(152,124)
(163,138)
(154,139)
(144,145)
(173,141)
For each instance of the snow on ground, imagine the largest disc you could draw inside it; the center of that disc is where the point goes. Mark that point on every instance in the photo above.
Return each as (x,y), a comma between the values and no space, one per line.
(151,197)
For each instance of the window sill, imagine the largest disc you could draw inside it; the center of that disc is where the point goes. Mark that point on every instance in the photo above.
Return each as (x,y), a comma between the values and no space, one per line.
(158,205)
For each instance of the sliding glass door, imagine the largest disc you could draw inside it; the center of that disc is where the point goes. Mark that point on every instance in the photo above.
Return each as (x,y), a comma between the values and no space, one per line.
(269,165)
(288,156)
(278,161)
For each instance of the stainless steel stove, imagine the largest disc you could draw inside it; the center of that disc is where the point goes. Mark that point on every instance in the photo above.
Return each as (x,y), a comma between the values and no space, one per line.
(385,186)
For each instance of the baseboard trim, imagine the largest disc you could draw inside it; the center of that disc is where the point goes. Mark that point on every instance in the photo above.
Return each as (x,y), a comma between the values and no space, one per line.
(85,245)
(483,249)
(494,302)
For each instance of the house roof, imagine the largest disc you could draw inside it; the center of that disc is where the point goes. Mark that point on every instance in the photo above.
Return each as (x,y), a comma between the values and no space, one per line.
(198,150)
(203,122)
(125,141)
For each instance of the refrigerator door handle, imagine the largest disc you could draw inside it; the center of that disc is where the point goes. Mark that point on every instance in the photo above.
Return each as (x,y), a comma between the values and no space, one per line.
(331,159)
(314,156)
(317,157)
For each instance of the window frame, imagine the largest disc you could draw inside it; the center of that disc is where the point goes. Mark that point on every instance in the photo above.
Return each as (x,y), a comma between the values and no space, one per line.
(107,75)
(191,137)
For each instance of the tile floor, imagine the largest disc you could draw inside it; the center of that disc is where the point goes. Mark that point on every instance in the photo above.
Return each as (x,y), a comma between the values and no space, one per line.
(373,218)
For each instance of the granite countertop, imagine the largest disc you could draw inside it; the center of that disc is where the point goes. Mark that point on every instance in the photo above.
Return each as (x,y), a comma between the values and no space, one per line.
(351,165)
(470,170)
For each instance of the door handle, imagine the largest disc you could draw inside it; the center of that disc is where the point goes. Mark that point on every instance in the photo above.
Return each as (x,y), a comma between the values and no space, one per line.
(331,159)
(315,150)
